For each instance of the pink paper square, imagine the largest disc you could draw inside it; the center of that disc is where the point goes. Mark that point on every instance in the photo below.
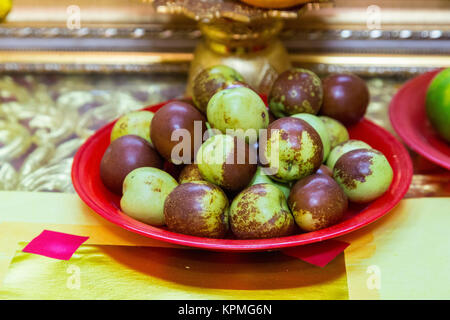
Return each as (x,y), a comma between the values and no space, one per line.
(319,253)
(55,245)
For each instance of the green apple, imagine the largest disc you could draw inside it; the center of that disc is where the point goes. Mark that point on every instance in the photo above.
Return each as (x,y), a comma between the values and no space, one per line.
(337,132)
(261,177)
(136,122)
(261,211)
(363,174)
(293,149)
(438,103)
(237,108)
(197,208)
(144,192)
(210,81)
(344,147)
(321,129)
(226,161)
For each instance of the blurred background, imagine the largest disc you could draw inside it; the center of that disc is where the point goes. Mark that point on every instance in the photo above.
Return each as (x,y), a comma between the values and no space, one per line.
(68,67)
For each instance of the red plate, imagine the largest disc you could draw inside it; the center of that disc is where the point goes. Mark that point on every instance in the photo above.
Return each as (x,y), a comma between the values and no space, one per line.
(409,120)
(87,183)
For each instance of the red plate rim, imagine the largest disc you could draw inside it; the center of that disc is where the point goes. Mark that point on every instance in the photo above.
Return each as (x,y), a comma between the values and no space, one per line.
(406,103)
(399,159)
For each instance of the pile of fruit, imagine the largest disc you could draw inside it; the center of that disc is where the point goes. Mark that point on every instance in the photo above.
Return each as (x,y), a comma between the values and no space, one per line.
(247,171)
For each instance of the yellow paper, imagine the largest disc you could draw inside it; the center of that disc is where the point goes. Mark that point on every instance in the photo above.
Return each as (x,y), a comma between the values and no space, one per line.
(405,255)
(124,272)
(118,264)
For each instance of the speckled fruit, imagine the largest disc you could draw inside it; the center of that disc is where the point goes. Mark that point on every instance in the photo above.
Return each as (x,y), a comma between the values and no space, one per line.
(136,122)
(237,108)
(227,161)
(344,147)
(317,202)
(197,209)
(345,98)
(323,169)
(124,155)
(177,115)
(337,132)
(293,149)
(321,129)
(296,91)
(144,192)
(212,80)
(261,177)
(363,174)
(190,173)
(261,211)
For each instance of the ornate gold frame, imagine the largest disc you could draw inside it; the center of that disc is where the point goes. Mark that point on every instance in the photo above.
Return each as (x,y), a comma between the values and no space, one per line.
(37,39)
(137,62)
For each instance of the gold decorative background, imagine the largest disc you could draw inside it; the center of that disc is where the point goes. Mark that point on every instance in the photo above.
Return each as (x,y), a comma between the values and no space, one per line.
(44,119)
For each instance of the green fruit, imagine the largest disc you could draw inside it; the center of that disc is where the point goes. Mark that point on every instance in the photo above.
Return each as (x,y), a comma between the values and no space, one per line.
(344,147)
(293,149)
(363,174)
(296,91)
(212,80)
(210,131)
(337,132)
(144,192)
(136,122)
(237,108)
(438,103)
(226,161)
(197,208)
(321,129)
(317,202)
(261,177)
(261,211)
(190,173)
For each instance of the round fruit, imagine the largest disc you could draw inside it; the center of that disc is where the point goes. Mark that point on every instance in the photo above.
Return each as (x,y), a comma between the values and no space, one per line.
(144,192)
(190,173)
(336,131)
(227,161)
(363,174)
(124,155)
(237,108)
(177,131)
(321,129)
(261,177)
(136,122)
(293,149)
(344,147)
(197,209)
(261,211)
(212,80)
(438,103)
(296,91)
(345,98)
(317,202)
